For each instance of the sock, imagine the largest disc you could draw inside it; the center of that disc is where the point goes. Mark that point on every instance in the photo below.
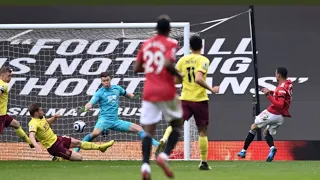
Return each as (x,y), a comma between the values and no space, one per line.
(167,133)
(89,146)
(142,134)
(146,149)
(172,140)
(249,139)
(20,132)
(87,138)
(269,140)
(203,144)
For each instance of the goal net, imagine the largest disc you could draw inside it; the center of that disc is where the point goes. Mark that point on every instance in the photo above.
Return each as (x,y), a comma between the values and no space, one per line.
(59,66)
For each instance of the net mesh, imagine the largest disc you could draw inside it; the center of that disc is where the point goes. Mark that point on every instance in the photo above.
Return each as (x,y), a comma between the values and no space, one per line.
(60,69)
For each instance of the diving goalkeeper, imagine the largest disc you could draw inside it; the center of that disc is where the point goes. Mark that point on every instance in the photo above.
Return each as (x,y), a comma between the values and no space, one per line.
(108,98)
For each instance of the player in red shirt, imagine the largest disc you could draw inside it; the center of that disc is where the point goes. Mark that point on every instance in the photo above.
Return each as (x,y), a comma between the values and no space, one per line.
(156,58)
(273,116)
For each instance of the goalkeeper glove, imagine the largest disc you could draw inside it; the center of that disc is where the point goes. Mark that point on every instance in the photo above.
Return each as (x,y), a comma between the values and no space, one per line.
(81,109)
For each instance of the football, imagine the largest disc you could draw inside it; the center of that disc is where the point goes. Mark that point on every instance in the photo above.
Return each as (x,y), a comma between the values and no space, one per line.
(79,126)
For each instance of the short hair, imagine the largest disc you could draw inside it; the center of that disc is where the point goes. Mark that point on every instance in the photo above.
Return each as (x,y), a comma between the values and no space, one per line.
(196,43)
(34,108)
(5,69)
(105,74)
(282,71)
(163,25)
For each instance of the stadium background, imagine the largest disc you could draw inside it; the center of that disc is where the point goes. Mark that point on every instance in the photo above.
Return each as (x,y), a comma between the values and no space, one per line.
(286,37)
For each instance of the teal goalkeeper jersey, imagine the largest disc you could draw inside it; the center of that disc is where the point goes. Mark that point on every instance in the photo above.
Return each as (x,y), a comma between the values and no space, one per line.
(108,99)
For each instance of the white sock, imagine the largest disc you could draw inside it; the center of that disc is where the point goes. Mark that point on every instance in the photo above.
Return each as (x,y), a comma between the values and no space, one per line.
(272,147)
(146,167)
(164,156)
(243,150)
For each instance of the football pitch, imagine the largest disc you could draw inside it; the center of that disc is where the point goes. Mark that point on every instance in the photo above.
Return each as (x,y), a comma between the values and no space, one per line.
(128,170)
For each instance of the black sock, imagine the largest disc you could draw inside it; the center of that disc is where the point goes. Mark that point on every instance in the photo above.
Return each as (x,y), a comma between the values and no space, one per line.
(269,140)
(146,149)
(172,140)
(249,139)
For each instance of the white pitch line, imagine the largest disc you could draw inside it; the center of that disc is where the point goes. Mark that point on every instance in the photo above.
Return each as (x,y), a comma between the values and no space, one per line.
(20,34)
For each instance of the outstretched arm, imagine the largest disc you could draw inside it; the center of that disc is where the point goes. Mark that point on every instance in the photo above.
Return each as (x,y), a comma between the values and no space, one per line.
(32,137)
(95,98)
(53,119)
(88,106)
(125,93)
(129,95)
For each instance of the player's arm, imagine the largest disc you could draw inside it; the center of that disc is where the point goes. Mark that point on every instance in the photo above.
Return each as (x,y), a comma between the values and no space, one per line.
(32,137)
(138,66)
(53,119)
(95,98)
(125,93)
(201,69)
(170,57)
(179,68)
(280,101)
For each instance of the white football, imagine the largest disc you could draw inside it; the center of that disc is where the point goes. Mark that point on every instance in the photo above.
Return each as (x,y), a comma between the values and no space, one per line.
(79,126)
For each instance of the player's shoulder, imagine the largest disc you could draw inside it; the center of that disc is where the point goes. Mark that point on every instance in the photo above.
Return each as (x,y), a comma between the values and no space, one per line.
(204,58)
(116,87)
(100,90)
(201,58)
(3,84)
(33,121)
(184,58)
(172,41)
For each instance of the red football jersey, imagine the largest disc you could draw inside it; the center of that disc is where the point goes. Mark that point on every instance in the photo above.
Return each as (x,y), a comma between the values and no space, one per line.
(159,84)
(282,93)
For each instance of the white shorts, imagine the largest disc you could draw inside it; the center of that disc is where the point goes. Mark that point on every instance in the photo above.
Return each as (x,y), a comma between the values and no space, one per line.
(269,120)
(151,112)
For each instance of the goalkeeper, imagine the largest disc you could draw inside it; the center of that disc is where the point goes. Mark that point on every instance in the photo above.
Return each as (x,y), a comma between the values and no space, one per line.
(108,98)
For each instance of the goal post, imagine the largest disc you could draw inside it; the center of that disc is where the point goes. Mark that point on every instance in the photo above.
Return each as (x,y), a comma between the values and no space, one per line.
(58,66)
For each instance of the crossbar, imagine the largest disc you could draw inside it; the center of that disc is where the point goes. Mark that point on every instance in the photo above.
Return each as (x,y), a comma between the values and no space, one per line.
(89,25)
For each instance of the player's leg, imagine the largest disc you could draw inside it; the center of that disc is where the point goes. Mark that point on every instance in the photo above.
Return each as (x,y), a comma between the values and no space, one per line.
(99,127)
(260,122)
(201,115)
(89,145)
(172,112)
(126,126)
(19,131)
(60,150)
(150,115)
(269,132)
(187,113)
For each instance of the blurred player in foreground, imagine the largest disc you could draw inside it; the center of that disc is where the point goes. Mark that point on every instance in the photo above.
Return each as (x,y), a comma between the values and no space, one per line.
(40,129)
(108,98)
(273,116)
(194,68)
(156,58)
(5,119)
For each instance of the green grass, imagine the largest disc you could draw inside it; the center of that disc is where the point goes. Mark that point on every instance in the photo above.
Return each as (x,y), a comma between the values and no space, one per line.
(128,170)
